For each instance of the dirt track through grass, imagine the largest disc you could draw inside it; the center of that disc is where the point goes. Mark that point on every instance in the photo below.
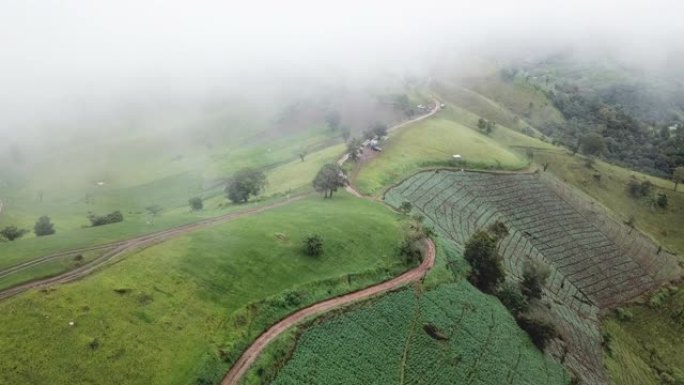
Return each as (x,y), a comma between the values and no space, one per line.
(120,248)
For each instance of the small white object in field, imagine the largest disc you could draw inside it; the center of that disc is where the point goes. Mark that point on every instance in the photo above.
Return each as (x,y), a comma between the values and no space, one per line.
(71,323)
(456,156)
(100,183)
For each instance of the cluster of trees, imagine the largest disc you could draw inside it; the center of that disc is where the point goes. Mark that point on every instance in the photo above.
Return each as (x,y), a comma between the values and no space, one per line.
(43,226)
(101,220)
(629,136)
(522,299)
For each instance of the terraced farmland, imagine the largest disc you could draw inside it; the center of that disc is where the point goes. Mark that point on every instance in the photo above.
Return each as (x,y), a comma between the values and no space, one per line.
(385,342)
(596,262)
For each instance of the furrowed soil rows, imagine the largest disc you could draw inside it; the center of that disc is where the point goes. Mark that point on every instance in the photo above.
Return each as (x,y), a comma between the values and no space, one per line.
(596,262)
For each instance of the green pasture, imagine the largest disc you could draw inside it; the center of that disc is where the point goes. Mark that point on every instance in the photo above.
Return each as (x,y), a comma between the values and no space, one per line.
(180,312)
(433,142)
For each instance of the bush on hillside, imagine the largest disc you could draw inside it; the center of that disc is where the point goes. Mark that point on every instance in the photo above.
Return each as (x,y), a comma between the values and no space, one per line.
(540,329)
(510,296)
(43,226)
(535,275)
(12,232)
(101,220)
(196,203)
(313,245)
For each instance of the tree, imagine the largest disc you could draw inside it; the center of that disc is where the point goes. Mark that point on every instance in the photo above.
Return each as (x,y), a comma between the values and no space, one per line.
(487,272)
(510,296)
(12,232)
(245,183)
(43,226)
(405,207)
(535,275)
(313,245)
(481,124)
(678,176)
(592,144)
(354,149)
(491,125)
(196,203)
(329,178)
(333,120)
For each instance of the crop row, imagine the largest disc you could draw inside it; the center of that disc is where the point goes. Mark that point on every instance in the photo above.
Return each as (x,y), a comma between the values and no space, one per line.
(385,343)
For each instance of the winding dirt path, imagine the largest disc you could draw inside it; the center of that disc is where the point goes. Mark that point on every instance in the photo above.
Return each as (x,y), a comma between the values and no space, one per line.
(117,249)
(252,353)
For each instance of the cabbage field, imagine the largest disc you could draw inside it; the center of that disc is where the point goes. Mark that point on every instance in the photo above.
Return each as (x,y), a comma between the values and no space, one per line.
(387,342)
(596,263)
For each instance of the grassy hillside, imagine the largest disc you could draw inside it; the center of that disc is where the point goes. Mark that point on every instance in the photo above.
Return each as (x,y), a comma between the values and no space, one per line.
(181,311)
(432,143)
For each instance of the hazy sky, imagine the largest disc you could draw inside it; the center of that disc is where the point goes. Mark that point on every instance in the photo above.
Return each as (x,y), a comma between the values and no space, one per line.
(52,50)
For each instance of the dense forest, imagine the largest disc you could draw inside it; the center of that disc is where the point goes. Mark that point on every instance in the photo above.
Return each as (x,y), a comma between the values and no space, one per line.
(641,127)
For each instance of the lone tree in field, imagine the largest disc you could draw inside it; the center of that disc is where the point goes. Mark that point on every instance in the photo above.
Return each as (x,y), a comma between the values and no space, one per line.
(329,178)
(592,145)
(196,204)
(678,176)
(43,227)
(535,275)
(245,183)
(313,245)
(12,232)
(487,272)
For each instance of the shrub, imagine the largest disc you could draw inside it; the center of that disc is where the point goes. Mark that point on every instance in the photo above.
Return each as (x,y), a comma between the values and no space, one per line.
(540,330)
(405,207)
(100,220)
(196,204)
(313,245)
(623,314)
(43,226)
(12,232)
(510,296)
(661,201)
(535,275)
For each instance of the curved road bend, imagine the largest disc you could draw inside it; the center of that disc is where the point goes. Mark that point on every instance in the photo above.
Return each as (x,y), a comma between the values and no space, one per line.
(252,353)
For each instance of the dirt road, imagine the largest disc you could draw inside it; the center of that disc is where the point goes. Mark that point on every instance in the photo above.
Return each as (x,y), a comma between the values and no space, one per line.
(117,249)
(248,357)
(252,353)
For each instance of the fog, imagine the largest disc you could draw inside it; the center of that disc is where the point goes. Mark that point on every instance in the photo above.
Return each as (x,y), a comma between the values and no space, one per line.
(61,60)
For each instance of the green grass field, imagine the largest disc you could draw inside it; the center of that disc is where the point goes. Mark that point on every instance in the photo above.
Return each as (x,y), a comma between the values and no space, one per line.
(432,143)
(293,176)
(181,311)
